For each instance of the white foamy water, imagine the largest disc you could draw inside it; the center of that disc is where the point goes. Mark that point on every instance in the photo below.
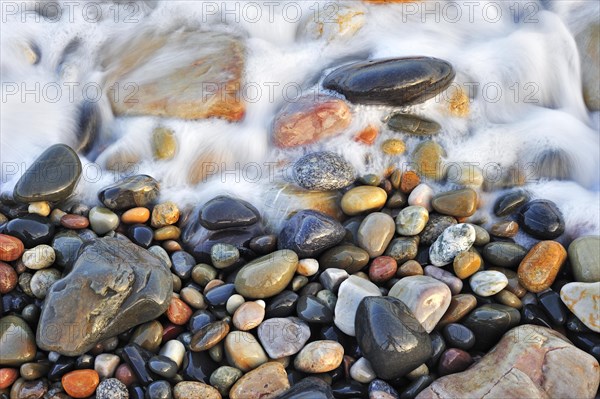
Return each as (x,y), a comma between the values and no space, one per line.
(518,61)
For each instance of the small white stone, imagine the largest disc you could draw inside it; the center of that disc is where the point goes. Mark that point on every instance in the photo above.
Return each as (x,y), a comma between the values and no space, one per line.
(421,196)
(234,302)
(261,303)
(105,364)
(583,299)
(39,257)
(362,371)
(350,294)
(174,350)
(41,208)
(102,220)
(488,282)
(454,240)
(411,220)
(307,267)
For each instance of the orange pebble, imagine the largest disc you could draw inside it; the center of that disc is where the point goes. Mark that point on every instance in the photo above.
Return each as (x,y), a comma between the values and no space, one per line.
(74,222)
(136,215)
(409,181)
(11,248)
(178,312)
(80,383)
(7,377)
(367,136)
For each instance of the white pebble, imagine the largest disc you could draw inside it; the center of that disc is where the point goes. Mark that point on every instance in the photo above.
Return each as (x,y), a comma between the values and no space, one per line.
(308,267)
(488,283)
(105,364)
(362,371)
(174,350)
(421,196)
(261,303)
(234,302)
(39,257)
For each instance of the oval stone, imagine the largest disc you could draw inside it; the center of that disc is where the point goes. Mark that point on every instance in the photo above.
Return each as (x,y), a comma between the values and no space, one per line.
(466,263)
(80,383)
(584,255)
(542,219)
(411,220)
(347,257)
(267,276)
(224,212)
(583,299)
(130,192)
(193,390)
(309,233)
(509,203)
(363,199)
(454,240)
(319,357)
(391,81)
(540,267)
(281,337)
(350,294)
(323,171)
(504,254)
(52,176)
(488,282)
(428,158)
(209,335)
(248,316)
(266,381)
(457,203)
(11,248)
(413,124)
(243,351)
(17,342)
(375,233)
(460,306)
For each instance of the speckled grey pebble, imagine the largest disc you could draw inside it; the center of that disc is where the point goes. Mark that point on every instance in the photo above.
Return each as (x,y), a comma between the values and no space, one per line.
(111,388)
(323,171)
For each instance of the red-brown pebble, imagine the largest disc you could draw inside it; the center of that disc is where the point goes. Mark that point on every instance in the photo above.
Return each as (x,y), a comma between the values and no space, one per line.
(409,181)
(11,248)
(454,360)
(178,312)
(125,375)
(80,383)
(74,222)
(7,377)
(8,278)
(171,331)
(382,269)
(367,135)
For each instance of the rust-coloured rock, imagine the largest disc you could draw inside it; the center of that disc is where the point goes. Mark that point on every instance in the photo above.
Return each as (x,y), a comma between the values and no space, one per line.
(80,383)
(11,248)
(540,266)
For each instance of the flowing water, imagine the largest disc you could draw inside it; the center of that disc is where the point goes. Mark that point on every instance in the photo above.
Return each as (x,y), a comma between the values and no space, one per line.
(517,60)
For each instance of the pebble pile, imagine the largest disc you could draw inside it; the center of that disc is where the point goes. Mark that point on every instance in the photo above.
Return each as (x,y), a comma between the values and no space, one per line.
(406,295)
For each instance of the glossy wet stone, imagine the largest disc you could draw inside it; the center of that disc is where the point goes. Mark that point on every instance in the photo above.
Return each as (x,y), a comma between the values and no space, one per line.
(411,220)
(488,282)
(8,278)
(141,235)
(182,264)
(266,276)
(533,314)
(507,229)
(323,171)
(103,220)
(379,389)
(427,298)
(382,269)
(457,203)
(528,362)
(538,270)
(542,219)
(243,351)
(460,306)
(350,295)
(31,229)
(80,383)
(553,306)
(403,249)
(347,257)
(139,190)
(220,294)
(390,337)
(454,283)
(282,337)
(348,389)
(62,366)
(159,390)
(17,342)
(226,212)
(308,233)
(51,177)
(268,380)
(130,285)
(375,233)
(137,357)
(459,336)
(209,335)
(584,255)
(454,360)
(490,322)
(194,389)
(319,357)
(198,366)
(415,387)
(66,246)
(392,81)
(504,254)
(163,366)
(148,335)
(413,124)
(281,305)
(312,310)
(510,202)
(362,199)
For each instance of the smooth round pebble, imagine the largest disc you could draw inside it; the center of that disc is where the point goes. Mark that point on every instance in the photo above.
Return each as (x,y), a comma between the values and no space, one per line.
(488,283)
(307,267)
(319,357)
(39,257)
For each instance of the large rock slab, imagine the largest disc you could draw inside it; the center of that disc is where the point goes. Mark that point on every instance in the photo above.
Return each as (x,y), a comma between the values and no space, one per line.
(529,362)
(182,74)
(114,286)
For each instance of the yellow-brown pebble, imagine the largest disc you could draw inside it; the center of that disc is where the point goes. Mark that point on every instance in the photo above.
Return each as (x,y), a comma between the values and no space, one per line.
(264,382)
(195,390)
(363,198)
(248,316)
(167,233)
(466,264)
(393,147)
(41,208)
(410,268)
(136,215)
(507,298)
(165,214)
(540,266)
(80,383)
(319,357)
(505,229)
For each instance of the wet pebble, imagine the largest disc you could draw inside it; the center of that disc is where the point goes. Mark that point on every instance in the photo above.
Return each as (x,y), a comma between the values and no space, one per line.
(363,199)
(375,233)
(488,283)
(454,240)
(319,357)
(323,171)
(542,219)
(411,220)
